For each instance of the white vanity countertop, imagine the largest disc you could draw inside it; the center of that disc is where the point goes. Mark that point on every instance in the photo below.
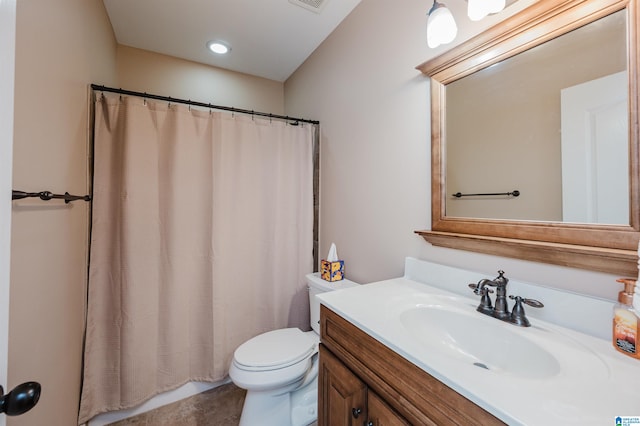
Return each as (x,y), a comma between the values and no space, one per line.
(592,383)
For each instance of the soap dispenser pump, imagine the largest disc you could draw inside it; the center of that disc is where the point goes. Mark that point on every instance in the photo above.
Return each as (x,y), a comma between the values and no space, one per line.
(625,321)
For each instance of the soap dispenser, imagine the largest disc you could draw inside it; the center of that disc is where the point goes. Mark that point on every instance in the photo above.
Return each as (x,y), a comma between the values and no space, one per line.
(625,320)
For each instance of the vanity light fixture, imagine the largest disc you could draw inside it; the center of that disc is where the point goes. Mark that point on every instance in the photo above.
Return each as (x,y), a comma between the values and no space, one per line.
(442,28)
(218,47)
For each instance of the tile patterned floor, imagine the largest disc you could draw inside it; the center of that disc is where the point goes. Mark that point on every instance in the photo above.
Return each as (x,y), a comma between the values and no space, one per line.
(221,406)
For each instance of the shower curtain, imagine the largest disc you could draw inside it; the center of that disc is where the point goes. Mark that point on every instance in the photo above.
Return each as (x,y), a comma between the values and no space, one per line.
(202,233)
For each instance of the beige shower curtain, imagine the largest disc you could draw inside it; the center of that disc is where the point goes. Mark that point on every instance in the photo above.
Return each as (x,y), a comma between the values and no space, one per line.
(201,237)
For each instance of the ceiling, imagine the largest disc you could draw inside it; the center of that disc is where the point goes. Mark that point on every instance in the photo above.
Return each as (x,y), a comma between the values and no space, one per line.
(268,38)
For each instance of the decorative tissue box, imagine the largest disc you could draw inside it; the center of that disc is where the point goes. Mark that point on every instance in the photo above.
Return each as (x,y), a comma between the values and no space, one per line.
(332,271)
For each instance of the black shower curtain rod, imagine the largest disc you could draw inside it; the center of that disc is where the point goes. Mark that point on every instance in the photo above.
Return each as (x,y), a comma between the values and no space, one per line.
(201,104)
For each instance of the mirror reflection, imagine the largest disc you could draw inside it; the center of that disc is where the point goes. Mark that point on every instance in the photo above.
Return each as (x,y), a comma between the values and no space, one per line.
(551,123)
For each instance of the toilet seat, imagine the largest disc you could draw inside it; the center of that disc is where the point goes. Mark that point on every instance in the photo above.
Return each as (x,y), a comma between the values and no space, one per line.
(274,350)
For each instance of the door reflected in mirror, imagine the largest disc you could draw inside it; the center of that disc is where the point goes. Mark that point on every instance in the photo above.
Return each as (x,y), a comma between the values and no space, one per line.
(550,122)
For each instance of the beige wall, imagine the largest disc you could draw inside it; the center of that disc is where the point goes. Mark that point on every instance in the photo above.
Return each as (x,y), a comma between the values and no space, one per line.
(374,112)
(61,47)
(145,71)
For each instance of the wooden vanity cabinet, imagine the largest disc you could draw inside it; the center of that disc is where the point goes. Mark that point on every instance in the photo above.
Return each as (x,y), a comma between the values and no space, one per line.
(380,414)
(363,382)
(345,400)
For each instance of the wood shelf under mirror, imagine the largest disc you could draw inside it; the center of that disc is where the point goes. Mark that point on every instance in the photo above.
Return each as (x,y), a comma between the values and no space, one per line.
(592,246)
(614,261)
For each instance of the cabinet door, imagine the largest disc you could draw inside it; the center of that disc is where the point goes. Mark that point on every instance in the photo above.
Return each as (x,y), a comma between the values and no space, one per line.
(342,395)
(380,414)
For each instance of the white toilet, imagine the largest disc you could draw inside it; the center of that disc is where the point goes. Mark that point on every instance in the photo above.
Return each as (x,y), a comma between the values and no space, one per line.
(279,369)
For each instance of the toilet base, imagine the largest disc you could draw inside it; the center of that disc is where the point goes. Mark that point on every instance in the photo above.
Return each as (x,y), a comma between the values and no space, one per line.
(305,405)
(281,407)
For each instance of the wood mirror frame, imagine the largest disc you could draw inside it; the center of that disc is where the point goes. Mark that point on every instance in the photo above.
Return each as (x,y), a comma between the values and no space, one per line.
(604,248)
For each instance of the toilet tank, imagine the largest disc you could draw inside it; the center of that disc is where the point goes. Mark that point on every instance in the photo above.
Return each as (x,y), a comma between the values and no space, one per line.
(316,286)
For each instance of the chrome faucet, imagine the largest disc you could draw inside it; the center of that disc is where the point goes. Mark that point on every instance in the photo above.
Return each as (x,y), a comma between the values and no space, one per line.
(501,308)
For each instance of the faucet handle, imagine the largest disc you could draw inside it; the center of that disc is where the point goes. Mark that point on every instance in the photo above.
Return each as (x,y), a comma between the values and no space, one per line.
(485,305)
(531,302)
(518,316)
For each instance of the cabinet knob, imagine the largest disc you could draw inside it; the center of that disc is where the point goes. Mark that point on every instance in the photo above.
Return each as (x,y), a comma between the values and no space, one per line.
(356,412)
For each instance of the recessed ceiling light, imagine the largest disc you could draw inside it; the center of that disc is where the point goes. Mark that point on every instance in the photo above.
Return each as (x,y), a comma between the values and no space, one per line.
(218,47)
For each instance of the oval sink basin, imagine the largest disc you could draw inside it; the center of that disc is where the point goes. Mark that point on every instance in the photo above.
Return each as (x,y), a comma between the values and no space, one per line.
(472,339)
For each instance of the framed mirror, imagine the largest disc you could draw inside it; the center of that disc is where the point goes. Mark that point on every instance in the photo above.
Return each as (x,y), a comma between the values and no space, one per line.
(524,164)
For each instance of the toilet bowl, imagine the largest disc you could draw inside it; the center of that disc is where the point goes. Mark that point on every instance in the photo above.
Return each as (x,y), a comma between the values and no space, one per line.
(279,369)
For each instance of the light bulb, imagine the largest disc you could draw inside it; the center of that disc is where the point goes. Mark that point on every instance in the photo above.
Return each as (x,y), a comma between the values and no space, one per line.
(477,9)
(218,47)
(495,6)
(441,27)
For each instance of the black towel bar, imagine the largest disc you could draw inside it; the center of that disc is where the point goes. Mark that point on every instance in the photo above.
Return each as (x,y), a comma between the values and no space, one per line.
(46,196)
(515,193)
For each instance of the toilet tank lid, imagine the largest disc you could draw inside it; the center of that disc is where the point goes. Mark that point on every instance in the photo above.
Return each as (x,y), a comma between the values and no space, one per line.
(275,349)
(315,281)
